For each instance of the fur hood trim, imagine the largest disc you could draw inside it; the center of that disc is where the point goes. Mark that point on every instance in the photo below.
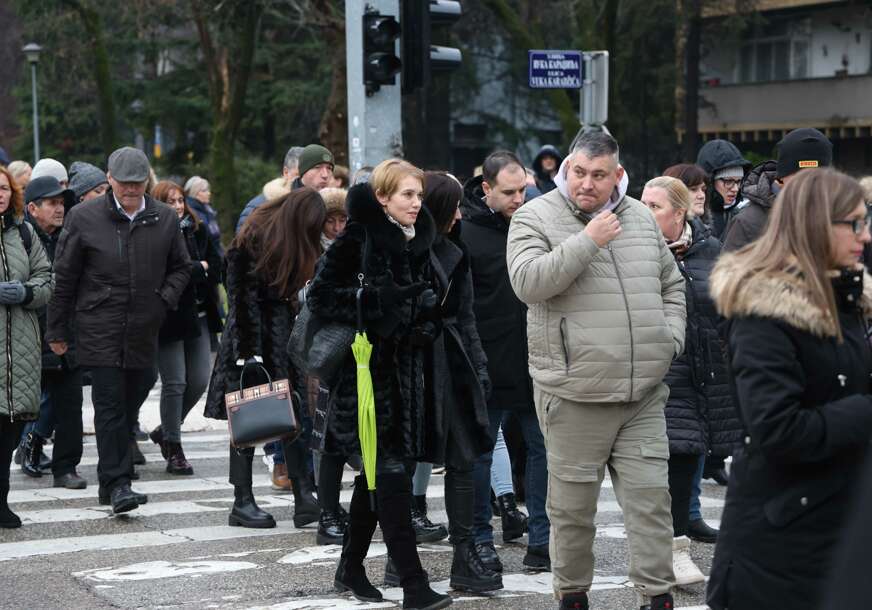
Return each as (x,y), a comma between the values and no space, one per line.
(276,188)
(364,208)
(782,296)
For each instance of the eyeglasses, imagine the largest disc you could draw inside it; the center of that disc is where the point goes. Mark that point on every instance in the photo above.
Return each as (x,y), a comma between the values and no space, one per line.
(731,183)
(858,225)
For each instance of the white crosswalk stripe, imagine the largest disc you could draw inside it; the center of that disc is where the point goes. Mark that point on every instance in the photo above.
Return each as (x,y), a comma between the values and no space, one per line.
(181,539)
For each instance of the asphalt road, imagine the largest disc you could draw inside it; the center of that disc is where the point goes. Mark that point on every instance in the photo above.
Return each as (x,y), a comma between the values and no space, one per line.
(178,551)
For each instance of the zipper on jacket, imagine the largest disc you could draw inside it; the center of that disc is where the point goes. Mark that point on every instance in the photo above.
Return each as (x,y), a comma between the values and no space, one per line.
(564,340)
(629,320)
(118,235)
(8,325)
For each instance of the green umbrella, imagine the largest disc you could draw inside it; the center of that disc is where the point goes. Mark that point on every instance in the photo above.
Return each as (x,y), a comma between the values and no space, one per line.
(362,350)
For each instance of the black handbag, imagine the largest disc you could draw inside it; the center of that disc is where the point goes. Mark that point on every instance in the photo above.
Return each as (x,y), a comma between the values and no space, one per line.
(318,347)
(260,414)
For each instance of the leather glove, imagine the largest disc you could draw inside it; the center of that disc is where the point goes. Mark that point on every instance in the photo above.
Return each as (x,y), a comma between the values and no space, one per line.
(393,293)
(425,333)
(12,293)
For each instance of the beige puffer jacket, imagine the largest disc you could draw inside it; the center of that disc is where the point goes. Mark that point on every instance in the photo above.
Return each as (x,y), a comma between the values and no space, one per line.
(604,324)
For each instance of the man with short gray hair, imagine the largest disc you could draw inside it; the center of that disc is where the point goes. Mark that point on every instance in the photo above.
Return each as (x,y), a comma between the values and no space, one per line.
(121,263)
(606,318)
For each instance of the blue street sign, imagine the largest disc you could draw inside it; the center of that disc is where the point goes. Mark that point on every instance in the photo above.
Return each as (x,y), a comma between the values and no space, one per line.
(555,69)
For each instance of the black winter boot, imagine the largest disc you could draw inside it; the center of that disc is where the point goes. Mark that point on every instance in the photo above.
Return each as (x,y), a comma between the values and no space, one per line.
(331,528)
(574,601)
(350,573)
(8,519)
(306,509)
(660,602)
(425,530)
(30,462)
(177,463)
(394,492)
(246,512)
(513,520)
(135,454)
(468,573)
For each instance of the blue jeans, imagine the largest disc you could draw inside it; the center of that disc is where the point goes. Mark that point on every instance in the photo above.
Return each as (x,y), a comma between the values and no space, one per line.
(501,470)
(695,490)
(538,525)
(45,424)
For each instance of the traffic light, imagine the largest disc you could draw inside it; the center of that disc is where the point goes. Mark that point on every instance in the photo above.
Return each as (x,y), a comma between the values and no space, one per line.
(420,56)
(380,62)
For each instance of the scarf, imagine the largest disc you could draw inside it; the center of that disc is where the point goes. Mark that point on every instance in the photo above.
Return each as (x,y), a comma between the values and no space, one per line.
(408,232)
(681,245)
(326,243)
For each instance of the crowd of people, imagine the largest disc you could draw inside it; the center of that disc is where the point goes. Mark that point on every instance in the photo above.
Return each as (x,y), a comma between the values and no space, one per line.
(532,330)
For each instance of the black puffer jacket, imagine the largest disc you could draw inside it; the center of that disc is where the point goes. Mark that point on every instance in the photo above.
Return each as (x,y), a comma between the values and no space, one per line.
(259,323)
(396,364)
(500,316)
(458,378)
(700,415)
(806,402)
(182,323)
(759,190)
(544,181)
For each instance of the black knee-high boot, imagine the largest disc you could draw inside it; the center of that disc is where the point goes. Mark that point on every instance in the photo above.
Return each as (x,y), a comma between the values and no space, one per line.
(468,573)
(350,574)
(333,519)
(306,508)
(8,519)
(245,511)
(394,492)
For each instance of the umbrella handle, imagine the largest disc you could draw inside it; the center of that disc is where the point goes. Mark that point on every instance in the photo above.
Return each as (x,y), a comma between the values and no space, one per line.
(359,298)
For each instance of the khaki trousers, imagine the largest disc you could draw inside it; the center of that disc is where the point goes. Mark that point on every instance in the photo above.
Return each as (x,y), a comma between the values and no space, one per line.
(581,440)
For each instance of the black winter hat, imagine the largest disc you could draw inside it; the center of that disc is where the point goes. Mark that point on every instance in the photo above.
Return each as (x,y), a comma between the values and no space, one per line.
(716,155)
(45,187)
(804,148)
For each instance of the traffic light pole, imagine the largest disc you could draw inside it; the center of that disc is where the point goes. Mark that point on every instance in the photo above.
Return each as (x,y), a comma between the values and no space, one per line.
(375,129)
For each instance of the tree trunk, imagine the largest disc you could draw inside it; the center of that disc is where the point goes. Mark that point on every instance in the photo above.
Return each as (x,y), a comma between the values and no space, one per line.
(222,175)
(692,52)
(333,130)
(93,25)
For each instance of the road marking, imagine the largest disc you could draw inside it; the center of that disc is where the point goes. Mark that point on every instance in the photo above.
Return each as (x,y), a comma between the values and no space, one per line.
(164,569)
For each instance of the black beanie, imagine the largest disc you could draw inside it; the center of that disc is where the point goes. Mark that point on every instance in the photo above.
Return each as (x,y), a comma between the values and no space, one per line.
(804,148)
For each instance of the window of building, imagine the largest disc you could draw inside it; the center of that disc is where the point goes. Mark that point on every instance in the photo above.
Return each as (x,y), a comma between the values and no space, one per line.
(776,50)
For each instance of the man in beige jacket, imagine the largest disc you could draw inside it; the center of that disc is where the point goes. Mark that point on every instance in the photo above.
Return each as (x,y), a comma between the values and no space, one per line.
(606,318)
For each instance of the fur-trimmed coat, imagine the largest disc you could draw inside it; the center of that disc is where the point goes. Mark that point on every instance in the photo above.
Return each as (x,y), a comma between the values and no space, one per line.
(458,378)
(259,323)
(804,398)
(396,364)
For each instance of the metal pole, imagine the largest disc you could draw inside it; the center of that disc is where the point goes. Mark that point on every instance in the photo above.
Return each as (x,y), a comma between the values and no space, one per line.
(36,156)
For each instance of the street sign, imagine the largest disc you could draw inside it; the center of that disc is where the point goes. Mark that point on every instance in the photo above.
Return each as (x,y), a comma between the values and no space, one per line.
(555,69)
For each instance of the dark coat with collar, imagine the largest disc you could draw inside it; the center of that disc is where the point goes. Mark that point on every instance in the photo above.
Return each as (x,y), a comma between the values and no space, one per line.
(700,414)
(501,318)
(457,421)
(747,224)
(120,277)
(51,362)
(183,322)
(805,401)
(396,364)
(259,322)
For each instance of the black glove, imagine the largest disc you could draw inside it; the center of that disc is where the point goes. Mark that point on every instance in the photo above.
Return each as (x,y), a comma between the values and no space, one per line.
(425,333)
(393,293)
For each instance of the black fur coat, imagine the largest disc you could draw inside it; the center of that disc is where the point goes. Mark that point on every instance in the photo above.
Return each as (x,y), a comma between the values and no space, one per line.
(258,323)
(397,365)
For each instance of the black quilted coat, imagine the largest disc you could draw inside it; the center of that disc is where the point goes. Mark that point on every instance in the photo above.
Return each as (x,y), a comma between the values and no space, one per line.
(458,379)
(700,415)
(258,323)
(396,365)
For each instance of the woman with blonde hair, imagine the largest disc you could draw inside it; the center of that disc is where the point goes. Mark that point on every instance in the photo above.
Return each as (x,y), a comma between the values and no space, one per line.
(797,303)
(700,416)
(382,258)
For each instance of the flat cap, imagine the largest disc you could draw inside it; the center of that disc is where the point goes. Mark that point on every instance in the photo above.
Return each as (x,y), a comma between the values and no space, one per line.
(129,164)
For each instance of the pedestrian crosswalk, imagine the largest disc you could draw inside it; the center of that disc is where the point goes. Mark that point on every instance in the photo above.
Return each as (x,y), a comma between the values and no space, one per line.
(178,550)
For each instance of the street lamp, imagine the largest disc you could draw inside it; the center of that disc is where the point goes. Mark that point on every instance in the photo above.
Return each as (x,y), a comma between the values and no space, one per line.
(32,51)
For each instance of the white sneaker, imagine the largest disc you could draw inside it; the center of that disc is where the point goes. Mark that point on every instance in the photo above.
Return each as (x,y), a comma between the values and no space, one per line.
(686,572)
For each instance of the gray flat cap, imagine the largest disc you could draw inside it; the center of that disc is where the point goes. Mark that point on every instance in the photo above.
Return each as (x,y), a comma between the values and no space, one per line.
(129,164)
